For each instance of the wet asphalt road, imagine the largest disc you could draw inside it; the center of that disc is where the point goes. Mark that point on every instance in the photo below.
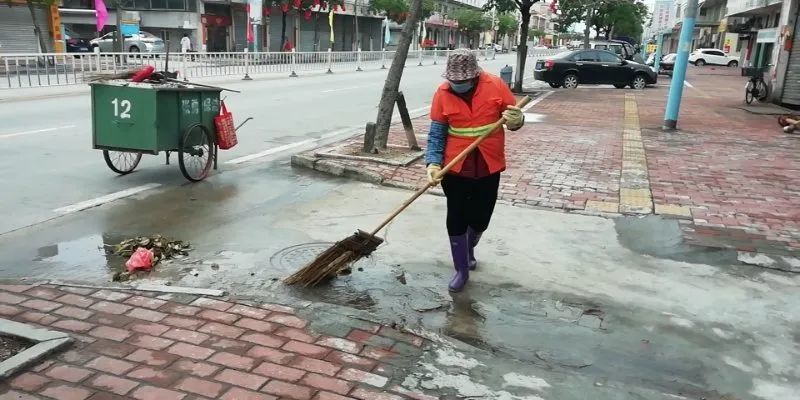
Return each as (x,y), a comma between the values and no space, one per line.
(48,162)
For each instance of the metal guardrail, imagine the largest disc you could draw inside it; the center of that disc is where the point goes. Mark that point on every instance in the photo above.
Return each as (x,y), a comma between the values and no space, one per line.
(55,69)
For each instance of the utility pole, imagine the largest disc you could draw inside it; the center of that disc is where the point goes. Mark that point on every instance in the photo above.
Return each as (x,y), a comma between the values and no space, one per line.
(679,73)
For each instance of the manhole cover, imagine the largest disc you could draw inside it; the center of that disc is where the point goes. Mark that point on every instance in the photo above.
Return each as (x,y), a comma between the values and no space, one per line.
(298,256)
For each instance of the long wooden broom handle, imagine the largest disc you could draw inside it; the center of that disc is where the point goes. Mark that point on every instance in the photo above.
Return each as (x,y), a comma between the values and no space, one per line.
(522,103)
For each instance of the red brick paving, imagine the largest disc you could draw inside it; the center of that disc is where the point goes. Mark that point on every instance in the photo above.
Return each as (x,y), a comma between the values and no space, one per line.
(145,360)
(735,170)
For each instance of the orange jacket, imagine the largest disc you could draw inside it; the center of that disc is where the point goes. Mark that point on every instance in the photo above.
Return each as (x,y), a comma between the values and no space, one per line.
(466,123)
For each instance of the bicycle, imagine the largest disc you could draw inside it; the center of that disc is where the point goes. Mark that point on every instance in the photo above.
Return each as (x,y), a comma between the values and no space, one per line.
(756,87)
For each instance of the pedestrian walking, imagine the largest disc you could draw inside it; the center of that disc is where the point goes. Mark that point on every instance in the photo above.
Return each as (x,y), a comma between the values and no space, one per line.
(463,109)
(186,43)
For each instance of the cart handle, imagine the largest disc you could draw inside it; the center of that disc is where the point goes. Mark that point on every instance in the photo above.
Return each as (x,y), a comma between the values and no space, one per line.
(244,122)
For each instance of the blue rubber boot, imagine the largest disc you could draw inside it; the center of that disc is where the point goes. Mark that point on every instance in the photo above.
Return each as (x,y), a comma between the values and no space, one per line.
(474,238)
(459,248)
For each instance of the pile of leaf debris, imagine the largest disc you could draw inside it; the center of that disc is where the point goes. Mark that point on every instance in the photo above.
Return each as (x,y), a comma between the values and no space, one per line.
(162,247)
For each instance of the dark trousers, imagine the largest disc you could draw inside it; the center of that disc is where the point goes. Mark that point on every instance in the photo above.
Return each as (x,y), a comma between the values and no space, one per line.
(470,202)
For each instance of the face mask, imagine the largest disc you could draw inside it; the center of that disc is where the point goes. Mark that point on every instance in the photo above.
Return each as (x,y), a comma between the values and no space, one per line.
(461,87)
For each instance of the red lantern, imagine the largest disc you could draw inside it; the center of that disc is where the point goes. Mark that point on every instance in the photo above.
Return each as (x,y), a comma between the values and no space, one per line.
(335,7)
(307,15)
(267,10)
(343,9)
(316,3)
(285,7)
(297,4)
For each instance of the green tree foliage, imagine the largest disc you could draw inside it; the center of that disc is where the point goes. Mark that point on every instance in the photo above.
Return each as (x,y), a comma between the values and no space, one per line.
(624,18)
(397,10)
(472,21)
(524,8)
(536,34)
(609,17)
(507,24)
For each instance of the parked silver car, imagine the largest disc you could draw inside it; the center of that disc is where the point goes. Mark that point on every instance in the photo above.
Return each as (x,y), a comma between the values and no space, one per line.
(141,43)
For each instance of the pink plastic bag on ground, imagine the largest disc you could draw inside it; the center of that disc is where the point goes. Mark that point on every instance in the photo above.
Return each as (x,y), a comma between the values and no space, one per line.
(141,259)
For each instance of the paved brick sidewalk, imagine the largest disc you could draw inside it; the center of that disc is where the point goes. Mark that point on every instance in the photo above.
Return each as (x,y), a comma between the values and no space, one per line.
(145,345)
(736,171)
(731,173)
(556,165)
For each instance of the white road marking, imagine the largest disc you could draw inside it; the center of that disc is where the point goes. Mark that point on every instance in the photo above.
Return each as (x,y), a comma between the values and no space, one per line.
(24,133)
(97,201)
(537,101)
(688,84)
(532,118)
(279,149)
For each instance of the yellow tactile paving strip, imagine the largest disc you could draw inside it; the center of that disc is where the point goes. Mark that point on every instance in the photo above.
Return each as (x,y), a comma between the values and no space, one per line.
(634,192)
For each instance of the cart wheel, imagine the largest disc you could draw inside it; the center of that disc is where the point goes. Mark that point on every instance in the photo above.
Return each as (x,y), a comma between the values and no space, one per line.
(196,153)
(122,162)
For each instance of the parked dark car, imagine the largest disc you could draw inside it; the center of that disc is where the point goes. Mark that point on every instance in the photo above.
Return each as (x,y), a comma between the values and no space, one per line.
(76,44)
(593,67)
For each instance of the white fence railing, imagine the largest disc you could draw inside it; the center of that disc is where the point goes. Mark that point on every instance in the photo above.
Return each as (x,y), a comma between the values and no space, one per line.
(36,70)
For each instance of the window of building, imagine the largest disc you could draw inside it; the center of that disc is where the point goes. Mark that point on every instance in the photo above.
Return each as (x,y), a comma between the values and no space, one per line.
(176,4)
(777,20)
(703,12)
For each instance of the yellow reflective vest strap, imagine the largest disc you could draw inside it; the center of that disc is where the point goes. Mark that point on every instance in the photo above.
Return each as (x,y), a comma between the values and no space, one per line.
(472,132)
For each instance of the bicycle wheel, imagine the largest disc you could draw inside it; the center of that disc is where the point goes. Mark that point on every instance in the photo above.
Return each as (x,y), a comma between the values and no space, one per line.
(762,91)
(748,92)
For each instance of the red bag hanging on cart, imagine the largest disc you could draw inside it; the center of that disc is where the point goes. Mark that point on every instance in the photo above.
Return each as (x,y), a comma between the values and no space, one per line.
(226,130)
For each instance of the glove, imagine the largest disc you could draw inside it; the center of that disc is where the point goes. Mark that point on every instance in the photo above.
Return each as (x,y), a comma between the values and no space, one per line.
(433,172)
(514,117)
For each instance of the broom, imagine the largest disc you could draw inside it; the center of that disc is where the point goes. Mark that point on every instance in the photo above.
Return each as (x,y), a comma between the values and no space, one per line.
(338,257)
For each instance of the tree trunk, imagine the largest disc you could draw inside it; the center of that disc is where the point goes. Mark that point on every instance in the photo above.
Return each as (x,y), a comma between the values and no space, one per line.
(392,84)
(316,31)
(587,30)
(522,49)
(283,30)
(119,40)
(36,30)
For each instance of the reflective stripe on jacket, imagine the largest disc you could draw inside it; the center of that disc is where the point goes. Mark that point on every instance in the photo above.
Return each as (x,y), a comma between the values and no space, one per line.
(466,122)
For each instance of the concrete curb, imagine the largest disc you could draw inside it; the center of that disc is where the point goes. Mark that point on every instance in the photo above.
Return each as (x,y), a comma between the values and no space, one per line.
(333,168)
(46,341)
(404,162)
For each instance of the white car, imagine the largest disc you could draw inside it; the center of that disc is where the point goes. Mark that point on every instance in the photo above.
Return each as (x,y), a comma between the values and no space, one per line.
(142,42)
(701,57)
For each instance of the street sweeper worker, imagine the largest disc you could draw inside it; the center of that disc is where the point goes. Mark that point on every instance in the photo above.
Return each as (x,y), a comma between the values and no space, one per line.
(463,109)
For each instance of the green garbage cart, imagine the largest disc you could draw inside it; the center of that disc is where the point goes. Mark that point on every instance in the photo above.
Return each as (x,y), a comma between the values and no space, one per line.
(131,119)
